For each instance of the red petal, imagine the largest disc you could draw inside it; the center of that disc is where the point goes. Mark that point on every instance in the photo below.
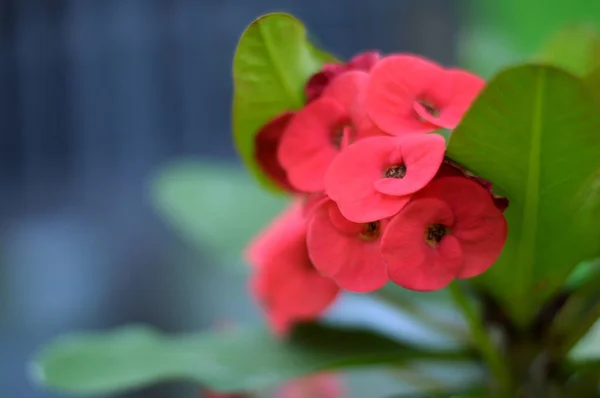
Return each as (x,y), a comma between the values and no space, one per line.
(292,275)
(355,264)
(349,90)
(266,143)
(411,262)
(346,89)
(341,223)
(311,202)
(372,206)
(283,272)
(364,61)
(396,83)
(480,226)
(306,148)
(465,87)
(422,155)
(323,292)
(320,80)
(364,270)
(281,228)
(351,176)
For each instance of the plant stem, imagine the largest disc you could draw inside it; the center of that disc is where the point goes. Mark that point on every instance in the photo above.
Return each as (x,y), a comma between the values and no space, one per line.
(491,355)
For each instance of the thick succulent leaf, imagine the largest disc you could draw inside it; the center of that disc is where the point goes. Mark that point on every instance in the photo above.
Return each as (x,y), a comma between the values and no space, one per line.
(534,132)
(272,63)
(235,360)
(213,205)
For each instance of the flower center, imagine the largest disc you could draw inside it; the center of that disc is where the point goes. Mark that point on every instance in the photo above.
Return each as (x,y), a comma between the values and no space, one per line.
(396,171)
(435,233)
(371,231)
(430,108)
(339,133)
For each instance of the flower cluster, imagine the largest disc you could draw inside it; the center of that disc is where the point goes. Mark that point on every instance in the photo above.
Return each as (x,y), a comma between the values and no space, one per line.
(378,200)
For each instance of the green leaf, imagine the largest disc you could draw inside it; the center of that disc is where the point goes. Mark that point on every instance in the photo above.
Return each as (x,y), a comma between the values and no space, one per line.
(213,205)
(534,132)
(592,81)
(272,63)
(233,360)
(575,49)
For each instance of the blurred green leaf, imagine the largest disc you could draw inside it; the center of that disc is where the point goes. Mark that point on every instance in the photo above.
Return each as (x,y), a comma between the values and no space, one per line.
(579,314)
(433,310)
(486,51)
(527,24)
(233,360)
(581,273)
(213,205)
(272,63)
(587,350)
(533,132)
(575,49)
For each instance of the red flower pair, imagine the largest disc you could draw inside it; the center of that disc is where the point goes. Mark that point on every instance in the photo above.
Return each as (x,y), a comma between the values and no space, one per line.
(382,201)
(450,229)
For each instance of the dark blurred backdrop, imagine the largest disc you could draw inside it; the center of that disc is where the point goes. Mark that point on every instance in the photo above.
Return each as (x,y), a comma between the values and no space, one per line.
(96,95)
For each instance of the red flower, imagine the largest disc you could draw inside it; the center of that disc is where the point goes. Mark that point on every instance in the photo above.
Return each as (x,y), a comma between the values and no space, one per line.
(316,134)
(321,385)
(374,178)
(345,251)
(283,273)
(266,143)
(408,94)
(451,229)
(320,80)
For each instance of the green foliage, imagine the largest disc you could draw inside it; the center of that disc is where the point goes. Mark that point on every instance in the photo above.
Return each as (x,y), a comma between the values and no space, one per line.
(534,133)
(233,360)
(214,206)
(271,65)
(575,49)
(527,24)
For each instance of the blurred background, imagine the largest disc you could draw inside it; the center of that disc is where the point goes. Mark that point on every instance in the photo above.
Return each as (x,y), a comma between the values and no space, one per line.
(112,109)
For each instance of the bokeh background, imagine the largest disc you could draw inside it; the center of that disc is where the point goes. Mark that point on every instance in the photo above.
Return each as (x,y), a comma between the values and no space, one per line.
(105,103)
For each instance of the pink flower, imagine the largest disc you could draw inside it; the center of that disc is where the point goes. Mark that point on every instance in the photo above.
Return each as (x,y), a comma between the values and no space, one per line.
(450,229)
(374,178)
(319,81)
(316,133)
(345,251)
(266,143)
(321,385)
(409,94)
(283,274)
